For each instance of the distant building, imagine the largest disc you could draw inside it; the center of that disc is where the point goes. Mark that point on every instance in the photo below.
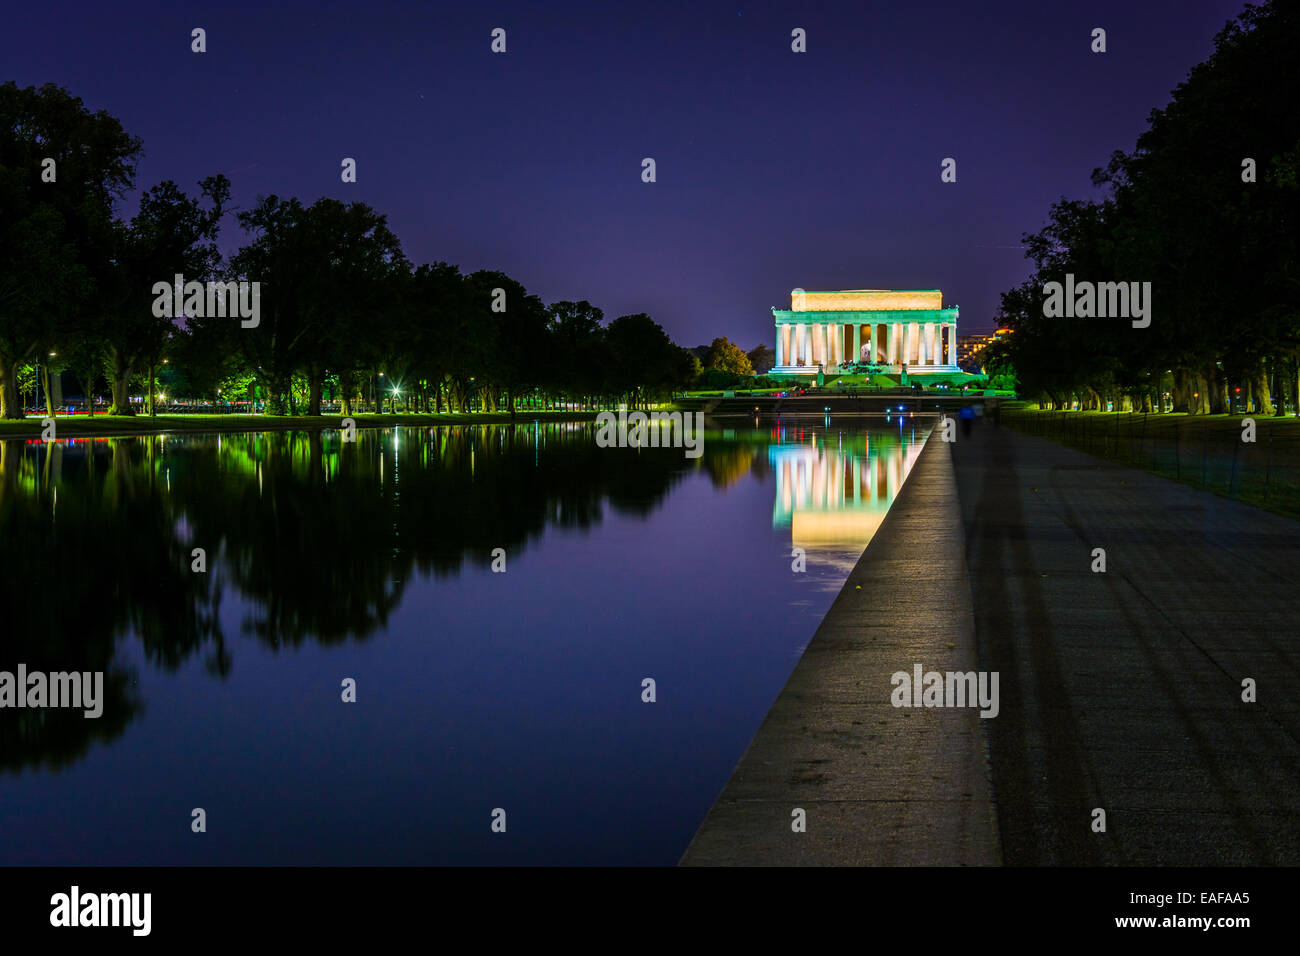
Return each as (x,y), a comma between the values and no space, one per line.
(969,348)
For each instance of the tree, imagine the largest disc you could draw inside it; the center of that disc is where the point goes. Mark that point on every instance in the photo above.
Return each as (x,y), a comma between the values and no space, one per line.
(328,271)
(727,357)
(170,235)
(575,349)
(436,302)
(643,359)
(761,358)
(519,332)
(361,273)
(1183,213)
(53,234)
(339,302)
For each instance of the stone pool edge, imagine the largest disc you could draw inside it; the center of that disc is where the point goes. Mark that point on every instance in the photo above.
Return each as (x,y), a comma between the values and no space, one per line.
(878,785)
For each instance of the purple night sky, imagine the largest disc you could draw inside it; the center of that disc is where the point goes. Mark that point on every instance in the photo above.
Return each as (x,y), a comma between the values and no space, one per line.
(775,169)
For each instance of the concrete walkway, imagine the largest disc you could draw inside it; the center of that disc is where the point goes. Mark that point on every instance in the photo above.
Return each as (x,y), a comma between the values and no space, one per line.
(1122,690)
(880,785)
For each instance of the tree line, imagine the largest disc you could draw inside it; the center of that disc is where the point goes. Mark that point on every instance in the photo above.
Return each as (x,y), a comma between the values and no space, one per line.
(344,316)
(1206,208)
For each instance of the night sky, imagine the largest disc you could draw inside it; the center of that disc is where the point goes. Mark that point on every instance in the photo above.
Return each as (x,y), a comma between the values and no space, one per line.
(775,169)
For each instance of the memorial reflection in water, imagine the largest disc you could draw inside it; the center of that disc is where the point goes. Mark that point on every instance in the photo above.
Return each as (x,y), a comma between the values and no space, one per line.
(833,490)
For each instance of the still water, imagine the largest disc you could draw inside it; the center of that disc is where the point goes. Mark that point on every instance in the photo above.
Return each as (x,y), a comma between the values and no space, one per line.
(476,690)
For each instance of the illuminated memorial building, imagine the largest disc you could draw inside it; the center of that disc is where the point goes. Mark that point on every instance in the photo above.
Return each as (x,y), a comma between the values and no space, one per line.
(899,331)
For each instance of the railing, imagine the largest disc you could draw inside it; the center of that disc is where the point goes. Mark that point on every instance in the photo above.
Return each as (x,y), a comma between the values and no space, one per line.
(1208,452)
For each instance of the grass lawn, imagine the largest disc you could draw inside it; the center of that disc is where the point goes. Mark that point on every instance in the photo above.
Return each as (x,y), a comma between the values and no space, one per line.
(879,379)
(83,426)
(1204,451)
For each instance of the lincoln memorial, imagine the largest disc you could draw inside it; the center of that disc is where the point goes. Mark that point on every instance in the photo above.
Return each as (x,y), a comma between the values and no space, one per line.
(895,331)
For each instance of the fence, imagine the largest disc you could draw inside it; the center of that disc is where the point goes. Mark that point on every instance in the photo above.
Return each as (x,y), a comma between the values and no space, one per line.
(1205,451)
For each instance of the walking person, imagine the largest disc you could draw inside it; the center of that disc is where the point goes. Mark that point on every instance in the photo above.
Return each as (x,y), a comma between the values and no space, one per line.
(967,415)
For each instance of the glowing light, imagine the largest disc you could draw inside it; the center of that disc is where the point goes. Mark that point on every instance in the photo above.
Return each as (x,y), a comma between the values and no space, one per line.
(866,299)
